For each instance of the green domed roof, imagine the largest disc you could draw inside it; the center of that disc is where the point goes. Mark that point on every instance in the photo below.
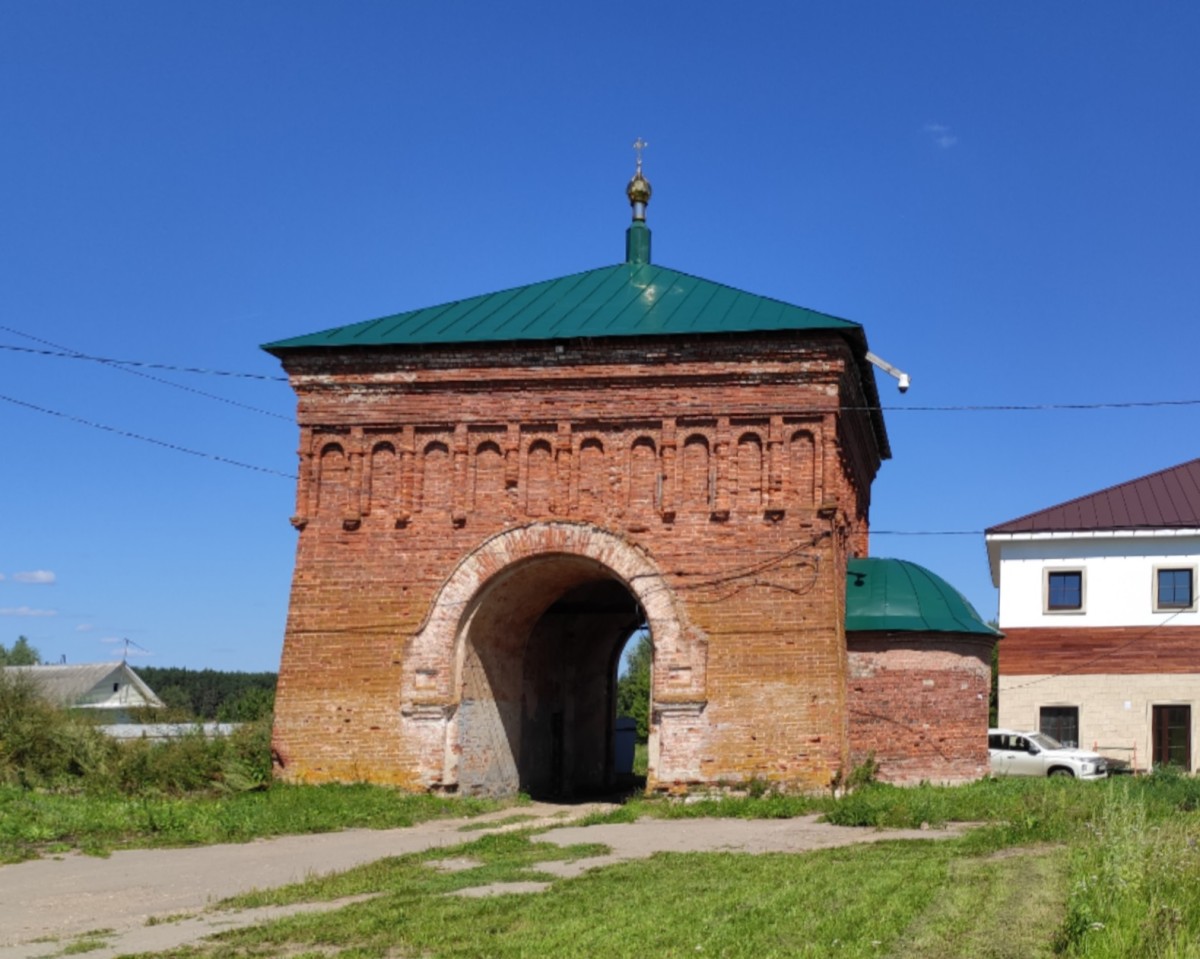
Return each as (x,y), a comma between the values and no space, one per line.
(893,595)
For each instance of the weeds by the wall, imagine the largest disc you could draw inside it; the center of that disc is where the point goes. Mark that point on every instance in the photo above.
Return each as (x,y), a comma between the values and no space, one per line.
(48,748)
(36,822)
(66,785)
(41,745)
(1136,878)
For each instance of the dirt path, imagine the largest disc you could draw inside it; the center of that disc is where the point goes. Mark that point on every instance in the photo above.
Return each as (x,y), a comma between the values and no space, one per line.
(47,904)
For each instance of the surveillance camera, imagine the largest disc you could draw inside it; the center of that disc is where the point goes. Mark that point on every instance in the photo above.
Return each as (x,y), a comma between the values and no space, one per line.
(904,382)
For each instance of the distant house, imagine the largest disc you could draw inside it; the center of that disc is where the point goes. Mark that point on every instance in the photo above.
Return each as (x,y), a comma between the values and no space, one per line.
(1102,629)
(113,690)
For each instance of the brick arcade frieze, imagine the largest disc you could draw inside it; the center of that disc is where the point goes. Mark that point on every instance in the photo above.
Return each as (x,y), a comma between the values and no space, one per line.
(708,465)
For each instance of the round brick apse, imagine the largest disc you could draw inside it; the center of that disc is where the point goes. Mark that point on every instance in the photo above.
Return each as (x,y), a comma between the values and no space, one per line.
(510,682)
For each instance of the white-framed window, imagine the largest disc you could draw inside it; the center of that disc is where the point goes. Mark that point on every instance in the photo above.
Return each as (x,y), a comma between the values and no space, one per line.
(1064,591)
(1174,589)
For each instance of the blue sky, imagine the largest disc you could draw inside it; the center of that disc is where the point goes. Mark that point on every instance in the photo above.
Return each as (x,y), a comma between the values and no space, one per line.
(1004,195)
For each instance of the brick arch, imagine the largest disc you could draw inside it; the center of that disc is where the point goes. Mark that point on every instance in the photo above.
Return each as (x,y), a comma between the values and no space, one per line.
(748,457)
(539,478)
(695,470)
(644,474)
(488,476)
(431,686)
(383,477)
(333,484)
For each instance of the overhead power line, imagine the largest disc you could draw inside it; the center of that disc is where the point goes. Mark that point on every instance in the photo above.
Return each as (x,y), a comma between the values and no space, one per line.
(75,354)
(1028,407)
(111,361)
(146,439)
(926,532)
(64,353)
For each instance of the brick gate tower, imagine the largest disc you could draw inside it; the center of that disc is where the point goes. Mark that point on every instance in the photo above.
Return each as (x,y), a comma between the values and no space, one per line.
(495,493)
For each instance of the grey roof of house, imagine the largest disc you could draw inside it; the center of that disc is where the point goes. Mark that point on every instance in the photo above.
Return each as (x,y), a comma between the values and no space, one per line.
(1168,499)
(67,685)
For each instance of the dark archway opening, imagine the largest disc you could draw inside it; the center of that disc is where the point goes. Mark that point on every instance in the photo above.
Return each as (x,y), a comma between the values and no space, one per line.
(539,680)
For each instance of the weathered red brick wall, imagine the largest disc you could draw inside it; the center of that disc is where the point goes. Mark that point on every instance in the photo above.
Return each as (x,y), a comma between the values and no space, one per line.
(739,470)
(919,702)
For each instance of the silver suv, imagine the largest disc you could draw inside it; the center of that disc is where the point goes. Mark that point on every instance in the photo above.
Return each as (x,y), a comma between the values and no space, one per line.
(1036,754)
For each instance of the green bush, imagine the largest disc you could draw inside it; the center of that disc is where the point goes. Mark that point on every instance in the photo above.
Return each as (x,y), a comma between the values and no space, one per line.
(42,746)
(187,764)
(195,763)
(45,747)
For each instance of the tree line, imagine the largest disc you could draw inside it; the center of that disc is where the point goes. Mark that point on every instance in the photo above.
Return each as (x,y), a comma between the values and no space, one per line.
(212,694)
(633,686)
(21,654)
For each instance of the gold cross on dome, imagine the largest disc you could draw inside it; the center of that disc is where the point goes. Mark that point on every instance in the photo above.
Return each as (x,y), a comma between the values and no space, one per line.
(639,145)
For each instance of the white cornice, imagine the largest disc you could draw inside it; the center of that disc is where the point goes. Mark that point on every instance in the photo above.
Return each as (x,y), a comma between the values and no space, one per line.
(995,541)
(1168,532)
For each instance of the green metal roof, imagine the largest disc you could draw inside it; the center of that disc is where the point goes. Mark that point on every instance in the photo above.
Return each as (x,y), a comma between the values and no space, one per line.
(894,595)
(629,299)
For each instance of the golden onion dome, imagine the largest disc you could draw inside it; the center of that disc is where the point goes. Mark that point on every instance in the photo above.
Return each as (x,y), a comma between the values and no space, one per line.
(638,190)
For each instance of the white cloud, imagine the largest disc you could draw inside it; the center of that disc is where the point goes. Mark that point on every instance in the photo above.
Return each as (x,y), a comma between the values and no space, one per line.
(35,576)
(26,611)
(1,576)
(84,628)
(941,134)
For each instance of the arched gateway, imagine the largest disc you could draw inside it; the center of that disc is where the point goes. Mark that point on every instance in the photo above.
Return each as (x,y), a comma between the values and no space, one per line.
(510,683)
(493,493)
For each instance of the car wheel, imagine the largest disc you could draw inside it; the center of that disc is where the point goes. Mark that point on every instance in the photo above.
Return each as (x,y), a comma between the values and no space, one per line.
(1062,772)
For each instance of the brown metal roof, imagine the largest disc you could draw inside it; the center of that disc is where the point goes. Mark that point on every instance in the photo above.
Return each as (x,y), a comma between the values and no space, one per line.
(1167,499)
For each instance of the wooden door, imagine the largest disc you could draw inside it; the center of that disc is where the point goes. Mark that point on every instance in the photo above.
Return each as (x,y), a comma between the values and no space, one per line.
(1172,736)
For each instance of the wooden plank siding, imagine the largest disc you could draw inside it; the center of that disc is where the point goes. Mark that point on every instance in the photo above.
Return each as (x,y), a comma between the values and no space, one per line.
(1122,650)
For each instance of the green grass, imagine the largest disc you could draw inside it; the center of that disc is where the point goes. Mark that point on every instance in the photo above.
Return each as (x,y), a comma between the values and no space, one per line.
(641,759)
(973,914)
(503,857)
(88,941)
(1085,870)
(1055,868)
(33,823)
(497,823)
(890,898)
(1136,882)
(80,946)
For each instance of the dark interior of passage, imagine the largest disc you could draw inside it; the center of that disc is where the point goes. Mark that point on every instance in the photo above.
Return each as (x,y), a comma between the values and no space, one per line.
(541,647)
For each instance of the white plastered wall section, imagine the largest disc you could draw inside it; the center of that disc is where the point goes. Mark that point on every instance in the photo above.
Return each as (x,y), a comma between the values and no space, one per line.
(1118,582)
(1115,711)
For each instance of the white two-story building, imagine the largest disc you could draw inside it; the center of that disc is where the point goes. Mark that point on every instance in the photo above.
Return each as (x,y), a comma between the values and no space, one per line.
(1101,627)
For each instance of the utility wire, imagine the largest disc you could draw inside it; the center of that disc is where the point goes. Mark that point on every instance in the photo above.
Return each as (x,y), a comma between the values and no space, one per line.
(147,376)
(1024,407)
(927,532)
(64,353)
(108,360)
(145,439)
